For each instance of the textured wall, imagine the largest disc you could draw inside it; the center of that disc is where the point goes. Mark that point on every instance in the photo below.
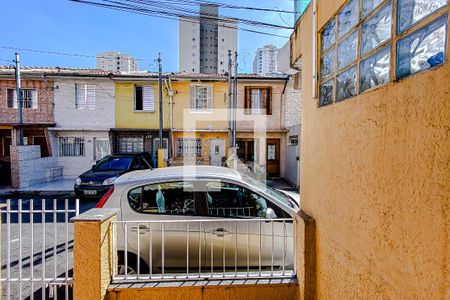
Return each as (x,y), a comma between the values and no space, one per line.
(42,114)
(67,116)
(375,177)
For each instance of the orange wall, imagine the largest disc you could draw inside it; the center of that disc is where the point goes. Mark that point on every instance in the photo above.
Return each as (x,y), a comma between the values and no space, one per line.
(375,173)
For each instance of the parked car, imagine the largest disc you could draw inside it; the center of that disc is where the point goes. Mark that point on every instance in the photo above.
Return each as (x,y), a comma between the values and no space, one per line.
(96,182)
(221,206)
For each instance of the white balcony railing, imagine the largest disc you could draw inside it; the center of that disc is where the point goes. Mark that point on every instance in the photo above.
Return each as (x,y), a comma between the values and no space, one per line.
(203,249)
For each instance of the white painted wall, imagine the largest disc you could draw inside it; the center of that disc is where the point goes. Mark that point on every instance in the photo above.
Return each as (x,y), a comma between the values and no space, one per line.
(67,116)
(73,166)
(227,40)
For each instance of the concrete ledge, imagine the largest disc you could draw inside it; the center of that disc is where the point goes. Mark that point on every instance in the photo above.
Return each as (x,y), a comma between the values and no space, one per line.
(204,291)
(95,215)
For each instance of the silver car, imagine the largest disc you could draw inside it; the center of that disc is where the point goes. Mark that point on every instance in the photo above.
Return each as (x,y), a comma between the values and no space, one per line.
(198,218)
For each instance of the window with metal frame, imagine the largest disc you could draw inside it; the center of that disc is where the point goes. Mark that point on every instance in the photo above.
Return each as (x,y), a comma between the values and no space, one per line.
(144,98)
(130,144)
(101,148)
(71,146)
(29,98)
(201,97)
(189,147)
(85,96)
(358,42)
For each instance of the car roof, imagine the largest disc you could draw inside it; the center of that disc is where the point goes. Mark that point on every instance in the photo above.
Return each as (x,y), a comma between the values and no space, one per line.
(175,173)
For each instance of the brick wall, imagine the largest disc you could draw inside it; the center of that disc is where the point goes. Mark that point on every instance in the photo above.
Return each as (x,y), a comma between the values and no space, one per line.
(44,111)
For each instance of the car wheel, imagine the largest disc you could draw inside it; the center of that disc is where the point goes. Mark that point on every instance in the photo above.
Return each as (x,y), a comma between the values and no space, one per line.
(131,268)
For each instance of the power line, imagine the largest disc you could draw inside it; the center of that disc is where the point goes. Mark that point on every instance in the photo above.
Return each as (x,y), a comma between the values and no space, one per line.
(172,16)
(63,53)
(229,6)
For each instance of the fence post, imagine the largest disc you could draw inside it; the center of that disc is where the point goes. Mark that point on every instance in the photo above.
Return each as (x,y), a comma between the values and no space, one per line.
(92,266)
(2,206)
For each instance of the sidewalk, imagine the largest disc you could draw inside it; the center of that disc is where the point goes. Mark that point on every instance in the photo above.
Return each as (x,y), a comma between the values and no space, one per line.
(58,186)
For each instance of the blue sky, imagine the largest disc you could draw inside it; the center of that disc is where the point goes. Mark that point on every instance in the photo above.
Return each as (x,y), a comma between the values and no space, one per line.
(64,26)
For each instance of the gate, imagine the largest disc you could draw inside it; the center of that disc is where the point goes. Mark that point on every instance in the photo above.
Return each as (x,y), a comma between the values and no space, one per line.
(37,248)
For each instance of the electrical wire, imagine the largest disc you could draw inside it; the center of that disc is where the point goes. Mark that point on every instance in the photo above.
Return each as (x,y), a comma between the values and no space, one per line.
(172,16)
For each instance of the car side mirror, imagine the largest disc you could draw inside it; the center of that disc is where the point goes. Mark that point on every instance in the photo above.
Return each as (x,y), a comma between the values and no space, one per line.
(270,214)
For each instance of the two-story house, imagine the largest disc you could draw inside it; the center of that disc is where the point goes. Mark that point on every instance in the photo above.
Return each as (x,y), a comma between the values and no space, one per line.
(261,133)
(37,112)
(137,115)
(84,115)
(200,122)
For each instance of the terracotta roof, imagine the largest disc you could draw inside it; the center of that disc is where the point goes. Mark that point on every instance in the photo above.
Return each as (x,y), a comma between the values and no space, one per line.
(55,71)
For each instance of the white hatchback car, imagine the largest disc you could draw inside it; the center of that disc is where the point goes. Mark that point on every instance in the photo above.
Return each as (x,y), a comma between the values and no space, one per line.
(200,217)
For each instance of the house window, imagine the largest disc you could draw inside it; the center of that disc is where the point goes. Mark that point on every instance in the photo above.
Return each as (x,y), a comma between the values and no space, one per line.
(130,144)
(144,98)
(293,140)
(201,97)
(189,147)
(247,150)
(156,144)
(29,98)
(101,148)
(347,69)
(258,101)
(84,96)
(71,146)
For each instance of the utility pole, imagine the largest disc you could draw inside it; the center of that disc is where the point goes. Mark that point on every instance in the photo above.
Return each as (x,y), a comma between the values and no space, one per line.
(161,144)
(235,108)
(230,99)
(19,99)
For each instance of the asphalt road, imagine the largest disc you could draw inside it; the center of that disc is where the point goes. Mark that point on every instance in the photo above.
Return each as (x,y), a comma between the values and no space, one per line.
(55,255)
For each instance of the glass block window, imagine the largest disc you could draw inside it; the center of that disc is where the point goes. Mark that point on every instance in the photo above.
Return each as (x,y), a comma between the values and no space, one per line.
(346,84)
(329,35)
(348,17)
(347,51)
(377,29)
(423,49)
(369,6)
(327,65)
(412,11)
(374,71)
(360,49)
(326,93)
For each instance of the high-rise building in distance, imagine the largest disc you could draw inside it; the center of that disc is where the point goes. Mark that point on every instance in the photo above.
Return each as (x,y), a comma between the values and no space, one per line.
(115,61)
(204,42)
(266,60)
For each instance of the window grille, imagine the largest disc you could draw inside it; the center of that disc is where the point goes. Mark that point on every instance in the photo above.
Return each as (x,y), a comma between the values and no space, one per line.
(189,147)
(71,146)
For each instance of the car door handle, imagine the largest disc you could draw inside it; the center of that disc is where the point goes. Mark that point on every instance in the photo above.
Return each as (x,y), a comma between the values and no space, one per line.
(142,229)
(220,232)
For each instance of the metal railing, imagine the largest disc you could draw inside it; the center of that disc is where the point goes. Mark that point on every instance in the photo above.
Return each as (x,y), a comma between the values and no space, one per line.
(179,250)
(37,247)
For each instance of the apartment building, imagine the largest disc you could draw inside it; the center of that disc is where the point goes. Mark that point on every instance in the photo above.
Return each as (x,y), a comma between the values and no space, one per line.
(266,60)
(115,61)
(374,148)
(204,42)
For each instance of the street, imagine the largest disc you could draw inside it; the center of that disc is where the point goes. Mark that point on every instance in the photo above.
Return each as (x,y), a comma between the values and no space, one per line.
(52,257)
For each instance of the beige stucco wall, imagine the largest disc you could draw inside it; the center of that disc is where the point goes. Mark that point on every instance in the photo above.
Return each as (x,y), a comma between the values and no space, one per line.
(375,175)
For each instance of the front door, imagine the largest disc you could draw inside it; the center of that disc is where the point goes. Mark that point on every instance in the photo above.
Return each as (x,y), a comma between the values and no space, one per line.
(273,157)
(216,151)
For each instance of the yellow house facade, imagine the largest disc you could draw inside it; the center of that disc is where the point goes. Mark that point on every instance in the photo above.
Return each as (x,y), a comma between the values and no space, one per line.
(137,115)
(200,123)
(375,148)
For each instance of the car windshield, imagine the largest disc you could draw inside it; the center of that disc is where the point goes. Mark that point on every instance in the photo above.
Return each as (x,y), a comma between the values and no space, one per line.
(283,198)
(114,164)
